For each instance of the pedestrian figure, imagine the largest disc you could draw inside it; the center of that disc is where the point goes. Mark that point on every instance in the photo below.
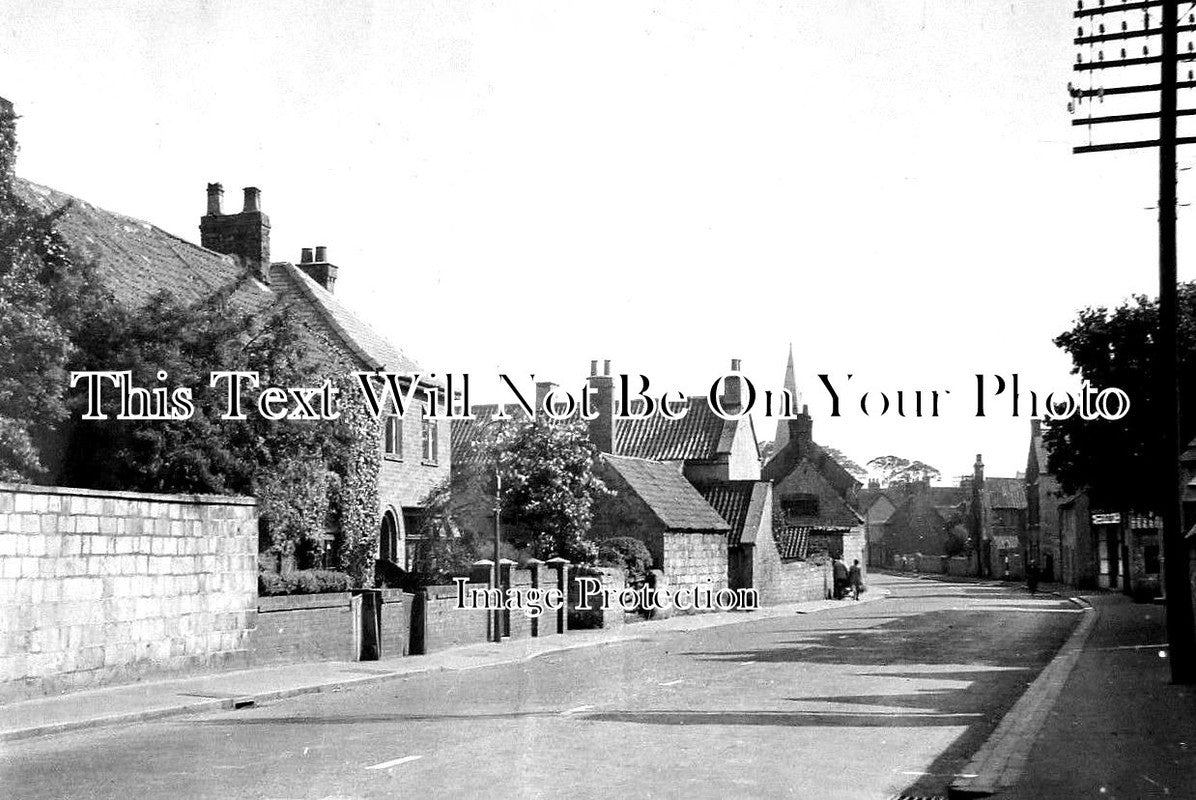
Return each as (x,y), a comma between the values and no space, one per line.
(839,570)
(855,579)
(1032,577)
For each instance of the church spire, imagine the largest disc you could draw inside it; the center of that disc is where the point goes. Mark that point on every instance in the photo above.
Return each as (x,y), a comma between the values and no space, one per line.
(790,386)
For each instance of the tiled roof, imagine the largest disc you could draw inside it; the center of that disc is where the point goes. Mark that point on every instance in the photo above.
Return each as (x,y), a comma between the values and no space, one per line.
(793,453)
(695,436)
(666,492)
(1005,492)
(733,502)
(369,347)
(136,260)
(793,542)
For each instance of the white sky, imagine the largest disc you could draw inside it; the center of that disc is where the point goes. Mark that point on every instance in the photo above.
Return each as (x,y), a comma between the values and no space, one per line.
(524,186)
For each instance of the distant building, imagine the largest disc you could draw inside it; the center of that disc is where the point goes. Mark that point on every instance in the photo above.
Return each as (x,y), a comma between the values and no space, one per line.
(814,496)
(1042,507)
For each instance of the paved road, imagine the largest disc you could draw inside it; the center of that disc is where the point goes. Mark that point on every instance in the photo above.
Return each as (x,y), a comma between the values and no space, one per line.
(871,700)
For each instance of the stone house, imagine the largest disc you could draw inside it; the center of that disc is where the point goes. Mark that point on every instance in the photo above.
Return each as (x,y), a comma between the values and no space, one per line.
(926,521)
(1042,506)
(814,497)
(877,506)
(653,502)
(136,260)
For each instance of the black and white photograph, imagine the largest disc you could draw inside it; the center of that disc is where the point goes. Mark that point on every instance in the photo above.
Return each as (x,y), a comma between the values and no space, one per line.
(641,398)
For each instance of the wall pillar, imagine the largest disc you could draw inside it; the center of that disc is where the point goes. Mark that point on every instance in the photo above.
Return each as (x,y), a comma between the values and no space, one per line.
(561,566)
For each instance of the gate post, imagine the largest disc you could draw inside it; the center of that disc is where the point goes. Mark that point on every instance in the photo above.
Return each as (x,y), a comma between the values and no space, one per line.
(536,567)
(562,584)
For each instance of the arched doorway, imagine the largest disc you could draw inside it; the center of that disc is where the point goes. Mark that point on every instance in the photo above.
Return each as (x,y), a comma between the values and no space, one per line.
(388,538)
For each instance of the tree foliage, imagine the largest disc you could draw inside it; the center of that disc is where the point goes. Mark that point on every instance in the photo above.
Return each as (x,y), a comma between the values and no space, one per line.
(46,305)
(846,462)
(896,469)
(56,317)
(1121,463)
(548,485)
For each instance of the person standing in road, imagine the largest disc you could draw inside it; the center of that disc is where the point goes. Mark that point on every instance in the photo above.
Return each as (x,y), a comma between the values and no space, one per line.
(855,579)
(839,571)
(1032,577)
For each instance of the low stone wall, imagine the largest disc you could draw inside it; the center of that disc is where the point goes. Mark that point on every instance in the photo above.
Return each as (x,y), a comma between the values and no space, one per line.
(960,567)
(695,559)
(110,587)
(796,582)
(592,615)
(396,622)
(437,623)
(305,627)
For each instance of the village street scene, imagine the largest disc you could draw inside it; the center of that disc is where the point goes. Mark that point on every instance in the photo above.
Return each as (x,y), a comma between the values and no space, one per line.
(695,464)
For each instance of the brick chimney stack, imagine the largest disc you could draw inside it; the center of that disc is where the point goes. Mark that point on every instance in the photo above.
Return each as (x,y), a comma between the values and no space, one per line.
(801,431)
(602,427)
(317,267)
(246,235)
(732,398)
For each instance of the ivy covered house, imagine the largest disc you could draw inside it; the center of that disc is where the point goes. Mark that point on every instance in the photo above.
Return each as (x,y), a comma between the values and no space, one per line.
(397,461)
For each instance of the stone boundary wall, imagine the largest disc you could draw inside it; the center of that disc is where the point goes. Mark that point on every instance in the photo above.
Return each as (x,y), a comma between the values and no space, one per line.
(437,624)
(695,559)
(797,582)
(99,588)
(304,627)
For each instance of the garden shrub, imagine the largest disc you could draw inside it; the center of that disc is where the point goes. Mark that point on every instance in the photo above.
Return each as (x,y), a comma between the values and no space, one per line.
(302,581)
(629,553)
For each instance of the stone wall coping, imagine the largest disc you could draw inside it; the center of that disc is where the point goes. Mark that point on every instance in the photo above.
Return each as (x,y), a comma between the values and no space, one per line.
(297,602)
(449,590)
(191,499)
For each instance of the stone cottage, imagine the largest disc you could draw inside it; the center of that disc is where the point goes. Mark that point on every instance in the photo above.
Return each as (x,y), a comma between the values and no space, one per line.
(136,260)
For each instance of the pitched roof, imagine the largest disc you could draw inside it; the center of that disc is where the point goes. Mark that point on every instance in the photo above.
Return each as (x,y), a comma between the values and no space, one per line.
(136,260)
(367,345)
(133,259)
(792,454)
(1005,492)
(694,437)
(733,500)
(667,494)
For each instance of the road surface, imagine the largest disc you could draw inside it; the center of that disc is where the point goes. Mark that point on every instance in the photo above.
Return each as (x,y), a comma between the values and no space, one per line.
(877,699)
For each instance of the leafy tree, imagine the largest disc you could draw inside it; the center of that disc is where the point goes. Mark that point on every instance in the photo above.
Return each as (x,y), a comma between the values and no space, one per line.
(56,317)
(847,463)
(896,469)
(46,301)
(548,485)
(1121,462)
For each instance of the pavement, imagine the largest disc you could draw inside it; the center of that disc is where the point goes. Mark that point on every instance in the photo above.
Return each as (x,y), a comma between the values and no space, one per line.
(1118,727)
(1102,720)
(887,697)
(244,688)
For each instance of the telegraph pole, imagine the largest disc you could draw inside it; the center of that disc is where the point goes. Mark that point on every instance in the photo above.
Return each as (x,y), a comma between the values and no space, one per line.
(498,615)
(1181,628)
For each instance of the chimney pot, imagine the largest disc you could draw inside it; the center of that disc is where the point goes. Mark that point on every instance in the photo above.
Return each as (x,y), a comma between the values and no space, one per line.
(606,367)
(305,258)
(215,195)
(735,365)
(253,200)
(594,368)
(321,254)
(245,236)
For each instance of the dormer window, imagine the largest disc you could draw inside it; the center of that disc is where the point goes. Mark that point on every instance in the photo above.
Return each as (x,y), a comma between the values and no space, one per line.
(800,505)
